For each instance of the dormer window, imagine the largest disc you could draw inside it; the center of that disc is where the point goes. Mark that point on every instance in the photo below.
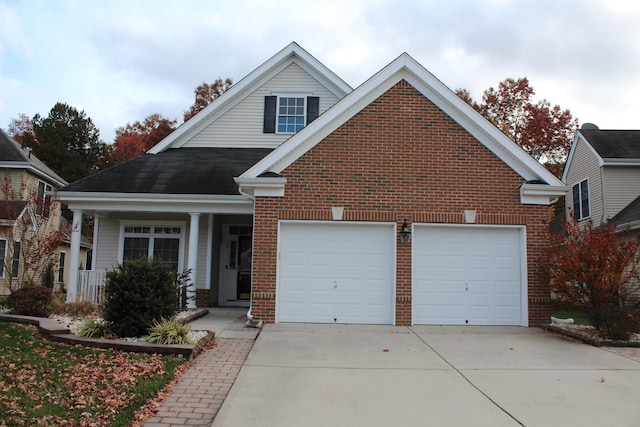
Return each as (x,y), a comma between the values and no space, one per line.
(288,113)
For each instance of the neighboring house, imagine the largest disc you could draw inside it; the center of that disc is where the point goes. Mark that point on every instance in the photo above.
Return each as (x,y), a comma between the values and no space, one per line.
(603,172)
(394,203)
(25,204)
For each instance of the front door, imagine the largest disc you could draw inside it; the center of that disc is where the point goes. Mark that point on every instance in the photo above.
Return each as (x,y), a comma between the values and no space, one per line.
(235,265)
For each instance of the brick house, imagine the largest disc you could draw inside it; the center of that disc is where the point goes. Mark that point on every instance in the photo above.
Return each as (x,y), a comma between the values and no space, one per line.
(394,203)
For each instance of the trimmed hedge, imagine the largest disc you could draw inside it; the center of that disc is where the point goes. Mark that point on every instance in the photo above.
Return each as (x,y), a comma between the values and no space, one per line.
(30,301)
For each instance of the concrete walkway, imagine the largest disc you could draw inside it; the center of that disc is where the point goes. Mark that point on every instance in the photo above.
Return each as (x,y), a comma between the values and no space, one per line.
(350,375)
(197,397)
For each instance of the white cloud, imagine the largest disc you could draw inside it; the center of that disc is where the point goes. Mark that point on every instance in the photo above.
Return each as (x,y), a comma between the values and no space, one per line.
(121,60)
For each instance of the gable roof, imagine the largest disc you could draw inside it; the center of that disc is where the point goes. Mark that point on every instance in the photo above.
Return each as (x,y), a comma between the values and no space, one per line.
(13,156)
(174,171)
(628,217)
(406,68)
(11,210)
(291,54)
(610,147)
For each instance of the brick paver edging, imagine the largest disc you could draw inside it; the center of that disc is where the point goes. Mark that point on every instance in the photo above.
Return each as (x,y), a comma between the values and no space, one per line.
(197,397)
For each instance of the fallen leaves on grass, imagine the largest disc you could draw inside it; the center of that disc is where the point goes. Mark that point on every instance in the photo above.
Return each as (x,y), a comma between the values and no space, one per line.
(46,383)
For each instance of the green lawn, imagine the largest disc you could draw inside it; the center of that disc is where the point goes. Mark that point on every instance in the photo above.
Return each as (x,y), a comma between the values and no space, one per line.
(579,317)
(47,383)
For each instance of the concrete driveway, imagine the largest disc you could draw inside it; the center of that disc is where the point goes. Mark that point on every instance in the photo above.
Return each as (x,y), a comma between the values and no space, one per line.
(352,375)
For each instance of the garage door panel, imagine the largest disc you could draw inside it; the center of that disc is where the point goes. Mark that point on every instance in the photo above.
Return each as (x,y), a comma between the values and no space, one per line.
(467,274)
(349,267)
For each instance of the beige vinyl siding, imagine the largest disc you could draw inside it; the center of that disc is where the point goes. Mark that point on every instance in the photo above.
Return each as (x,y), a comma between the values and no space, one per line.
(106,254)
(242,125)
(584,164)
(622,186)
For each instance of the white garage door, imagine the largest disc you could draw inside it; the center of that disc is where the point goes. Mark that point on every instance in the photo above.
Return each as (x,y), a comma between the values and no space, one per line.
(336,273)
(467,275)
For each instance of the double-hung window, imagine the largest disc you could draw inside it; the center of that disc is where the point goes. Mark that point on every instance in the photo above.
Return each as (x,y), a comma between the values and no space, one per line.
(61,262)
(44,200)
(161,242)
(581,207)
(288,113)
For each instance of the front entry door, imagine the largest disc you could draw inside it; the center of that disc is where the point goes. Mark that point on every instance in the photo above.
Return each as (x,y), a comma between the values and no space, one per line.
(235,265)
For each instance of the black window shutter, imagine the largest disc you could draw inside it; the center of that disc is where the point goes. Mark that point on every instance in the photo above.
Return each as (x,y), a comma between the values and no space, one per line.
(269,125)
(313,108)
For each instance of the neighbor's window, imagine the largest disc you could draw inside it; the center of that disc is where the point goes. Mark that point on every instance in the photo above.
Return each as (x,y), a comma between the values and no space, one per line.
(161,243)
(291,116)
(15,263)
(61,261)
(581,208)
(44,201)
(3,254)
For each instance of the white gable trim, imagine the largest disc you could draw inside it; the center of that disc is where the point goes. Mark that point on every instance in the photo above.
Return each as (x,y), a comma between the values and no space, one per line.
(405,67)
(576,140)
(291,54)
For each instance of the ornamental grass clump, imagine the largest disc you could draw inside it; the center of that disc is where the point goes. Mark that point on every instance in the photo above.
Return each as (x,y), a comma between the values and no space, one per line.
(94,329)
(169,331)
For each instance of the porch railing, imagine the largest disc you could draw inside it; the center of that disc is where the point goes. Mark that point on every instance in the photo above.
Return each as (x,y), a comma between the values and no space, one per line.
(91,284)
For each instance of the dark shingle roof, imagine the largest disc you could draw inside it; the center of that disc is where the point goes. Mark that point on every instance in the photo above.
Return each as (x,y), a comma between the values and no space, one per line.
(11,209)
(629,214)
(614,144)
(175,171)
(11,151)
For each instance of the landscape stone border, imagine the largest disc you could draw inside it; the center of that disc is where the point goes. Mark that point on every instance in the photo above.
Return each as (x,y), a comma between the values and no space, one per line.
(596,342)
(53,331)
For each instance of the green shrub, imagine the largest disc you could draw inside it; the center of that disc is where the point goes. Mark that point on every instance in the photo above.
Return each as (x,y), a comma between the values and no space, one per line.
(615,322)
(93,329)
(137,293)
(30,301)
(3,303)
(169,331)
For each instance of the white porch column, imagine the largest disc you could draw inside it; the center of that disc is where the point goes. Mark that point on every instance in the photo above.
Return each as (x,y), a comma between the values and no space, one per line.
(74,256)
(194,230)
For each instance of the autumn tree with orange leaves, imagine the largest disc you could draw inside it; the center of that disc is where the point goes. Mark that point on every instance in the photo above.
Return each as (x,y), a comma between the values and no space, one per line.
(205,94)
(595,269)
(138,137)
(542,130)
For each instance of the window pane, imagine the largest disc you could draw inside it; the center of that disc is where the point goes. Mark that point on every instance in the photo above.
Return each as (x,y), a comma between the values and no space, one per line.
(584,190)
(15,265)
(166,251)
(135,248)
(576,201)
(61,267)
(3,251)
(291,114)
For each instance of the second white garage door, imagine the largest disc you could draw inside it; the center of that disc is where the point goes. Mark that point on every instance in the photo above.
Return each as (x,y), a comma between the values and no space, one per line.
(468,275)
(336,272)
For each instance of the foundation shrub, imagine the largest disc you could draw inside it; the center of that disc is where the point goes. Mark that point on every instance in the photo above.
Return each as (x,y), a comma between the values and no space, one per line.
(137,293)
(30,301)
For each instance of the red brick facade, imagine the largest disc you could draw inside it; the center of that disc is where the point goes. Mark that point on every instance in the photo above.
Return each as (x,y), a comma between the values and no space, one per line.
(399,158)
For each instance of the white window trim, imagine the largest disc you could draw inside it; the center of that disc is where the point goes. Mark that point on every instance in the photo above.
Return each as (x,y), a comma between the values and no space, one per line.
(579,184)
(147,223)
(291,95)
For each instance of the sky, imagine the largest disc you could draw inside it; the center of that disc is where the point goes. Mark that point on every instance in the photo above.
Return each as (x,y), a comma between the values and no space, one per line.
(120,61)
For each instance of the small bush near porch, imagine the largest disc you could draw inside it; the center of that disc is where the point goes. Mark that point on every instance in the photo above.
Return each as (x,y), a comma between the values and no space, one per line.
(137,293)
(47,383)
